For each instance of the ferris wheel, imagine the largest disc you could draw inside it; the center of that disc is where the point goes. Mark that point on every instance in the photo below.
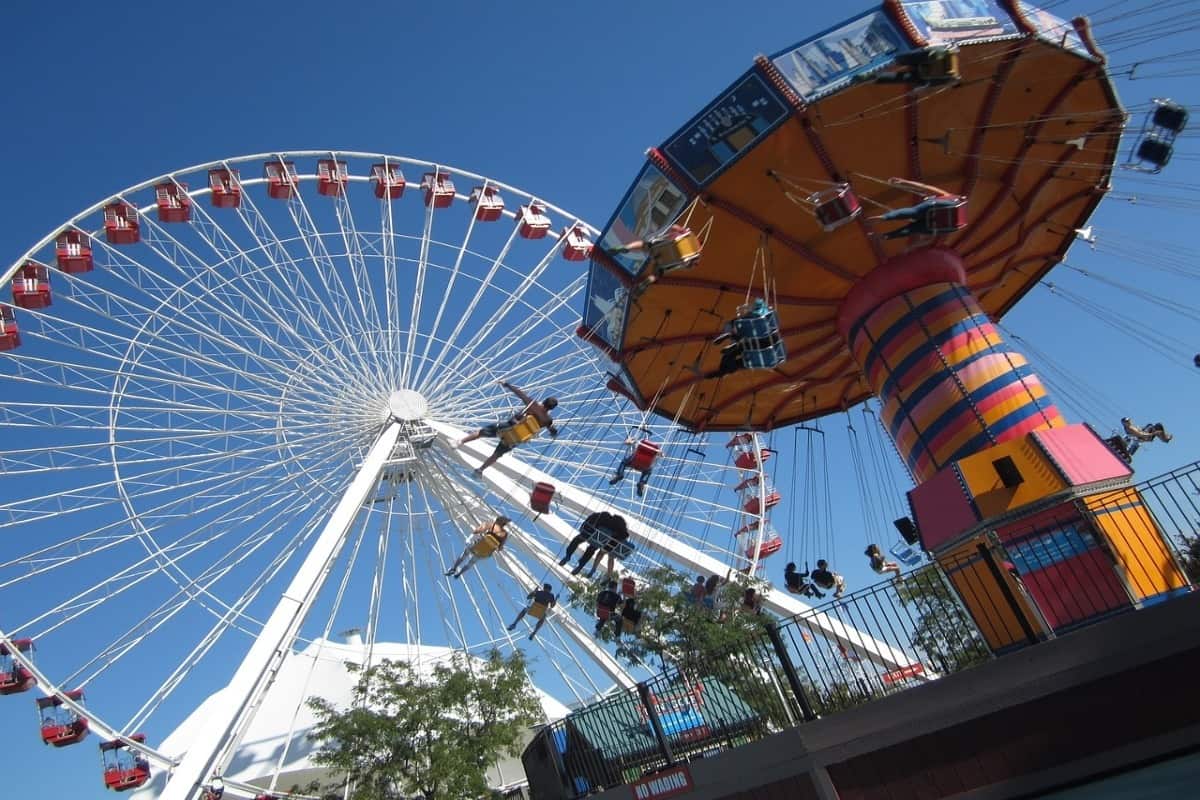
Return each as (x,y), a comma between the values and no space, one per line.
(231,399)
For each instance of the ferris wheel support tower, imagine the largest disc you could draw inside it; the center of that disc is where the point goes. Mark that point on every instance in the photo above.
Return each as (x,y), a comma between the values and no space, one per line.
(214,740)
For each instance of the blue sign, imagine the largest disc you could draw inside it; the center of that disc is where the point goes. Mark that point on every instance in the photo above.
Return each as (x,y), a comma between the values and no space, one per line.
(650,205)
(827,62)
(728,126)
(949,21)
(604,314)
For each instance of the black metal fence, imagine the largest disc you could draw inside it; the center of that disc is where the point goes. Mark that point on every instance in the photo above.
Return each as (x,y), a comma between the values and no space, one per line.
(1003,589)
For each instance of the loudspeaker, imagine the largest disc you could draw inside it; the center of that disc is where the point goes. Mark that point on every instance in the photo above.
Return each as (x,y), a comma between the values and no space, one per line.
(908,531)
(1010,476)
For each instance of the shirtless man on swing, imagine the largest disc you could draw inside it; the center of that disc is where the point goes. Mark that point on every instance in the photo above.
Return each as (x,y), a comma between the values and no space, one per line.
(539,411)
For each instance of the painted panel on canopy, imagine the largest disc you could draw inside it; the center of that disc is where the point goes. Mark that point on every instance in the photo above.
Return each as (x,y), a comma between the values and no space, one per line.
(652,203)
(749,187)
(729,125)
(604,311)
(828,61)
(951,21)
(1053,29)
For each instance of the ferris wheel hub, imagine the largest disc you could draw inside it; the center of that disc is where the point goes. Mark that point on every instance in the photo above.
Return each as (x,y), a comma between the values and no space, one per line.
(408,406)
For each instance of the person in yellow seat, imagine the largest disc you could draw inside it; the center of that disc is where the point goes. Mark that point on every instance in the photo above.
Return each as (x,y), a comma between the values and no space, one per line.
(540,601)
(488,539)
(517,428)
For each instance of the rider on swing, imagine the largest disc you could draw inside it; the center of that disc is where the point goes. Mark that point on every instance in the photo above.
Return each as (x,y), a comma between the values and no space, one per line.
(537,411)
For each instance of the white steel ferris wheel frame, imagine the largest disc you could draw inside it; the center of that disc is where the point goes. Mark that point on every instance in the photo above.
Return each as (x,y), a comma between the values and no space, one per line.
(508,479)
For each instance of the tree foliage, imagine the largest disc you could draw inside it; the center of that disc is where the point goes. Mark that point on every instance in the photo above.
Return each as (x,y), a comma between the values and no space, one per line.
(1191,556)
(944,633)
(435,735)
(676,630)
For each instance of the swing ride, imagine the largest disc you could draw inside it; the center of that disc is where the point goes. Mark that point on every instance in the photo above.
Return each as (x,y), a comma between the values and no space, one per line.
(235,425)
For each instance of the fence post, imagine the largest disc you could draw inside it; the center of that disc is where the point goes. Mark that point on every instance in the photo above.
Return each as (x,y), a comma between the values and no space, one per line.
(655,723)
(985,553)
(789,671)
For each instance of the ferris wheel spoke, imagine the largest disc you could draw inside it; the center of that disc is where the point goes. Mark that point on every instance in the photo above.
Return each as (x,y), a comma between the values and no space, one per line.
(537,315)
(347,315)
(418,289)
(481,292)
(455,272)
(314,309)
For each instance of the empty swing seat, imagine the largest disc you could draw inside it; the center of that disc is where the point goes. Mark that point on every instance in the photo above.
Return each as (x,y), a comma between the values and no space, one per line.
(946,214)
(485,545)
(676,248)
(489,205)
(521,432)
(540,497)
(388,180)
(31,286)
(225,190)
(835,206)
(644,456)
(73,250)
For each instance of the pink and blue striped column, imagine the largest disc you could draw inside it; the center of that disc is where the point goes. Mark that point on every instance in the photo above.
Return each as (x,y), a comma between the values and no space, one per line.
(948,385)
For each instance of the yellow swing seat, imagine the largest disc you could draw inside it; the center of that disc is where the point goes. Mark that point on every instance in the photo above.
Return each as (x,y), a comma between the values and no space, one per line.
(485,545)
(678,250)
(521,432)
(537,610)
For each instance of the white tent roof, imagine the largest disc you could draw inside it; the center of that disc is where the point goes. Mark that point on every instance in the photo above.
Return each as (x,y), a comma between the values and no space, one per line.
(280,727)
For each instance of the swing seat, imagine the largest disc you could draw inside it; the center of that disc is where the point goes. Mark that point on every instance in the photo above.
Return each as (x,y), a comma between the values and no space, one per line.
(677,248)
(628,587)
(603,539)
(537,610)
(1155,150)
(906,554)
(939,66)
(603,613)
(540,497)
(521,432)
(628,625)
(946,215)
(485,545)
(756,328)
(835,206)
(1170,116)
(644,455)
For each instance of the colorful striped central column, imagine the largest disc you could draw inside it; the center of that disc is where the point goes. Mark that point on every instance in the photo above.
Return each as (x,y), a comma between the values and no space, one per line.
(948,385)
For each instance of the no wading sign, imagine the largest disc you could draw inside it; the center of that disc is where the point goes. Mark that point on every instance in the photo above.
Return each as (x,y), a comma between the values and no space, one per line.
(668,783)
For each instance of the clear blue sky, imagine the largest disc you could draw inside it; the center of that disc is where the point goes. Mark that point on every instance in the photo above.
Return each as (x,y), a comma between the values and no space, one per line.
(560,99)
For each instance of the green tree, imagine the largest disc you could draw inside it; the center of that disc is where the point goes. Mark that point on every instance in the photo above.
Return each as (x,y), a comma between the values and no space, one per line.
(675,630)
(434,735)
(1191,556)
(944,633)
